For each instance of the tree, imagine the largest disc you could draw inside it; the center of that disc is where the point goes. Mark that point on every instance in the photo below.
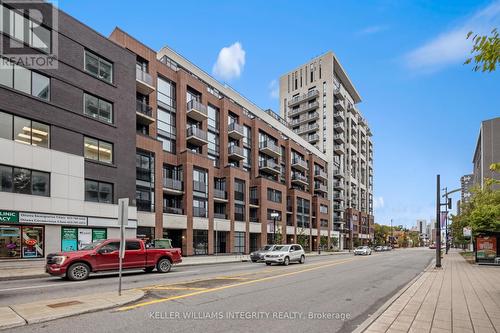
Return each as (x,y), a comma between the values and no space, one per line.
(303,238)
(485,51)
(482,211)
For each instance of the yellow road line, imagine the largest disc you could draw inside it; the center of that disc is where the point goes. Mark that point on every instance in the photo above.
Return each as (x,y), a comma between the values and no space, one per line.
(161,300)
(173,288)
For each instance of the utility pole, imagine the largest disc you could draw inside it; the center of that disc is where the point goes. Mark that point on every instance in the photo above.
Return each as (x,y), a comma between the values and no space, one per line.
(438,222)
(448,206)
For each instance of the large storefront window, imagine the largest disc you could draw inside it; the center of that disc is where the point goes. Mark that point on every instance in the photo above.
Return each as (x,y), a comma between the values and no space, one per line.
(200,241)
(21,242)
(73,239)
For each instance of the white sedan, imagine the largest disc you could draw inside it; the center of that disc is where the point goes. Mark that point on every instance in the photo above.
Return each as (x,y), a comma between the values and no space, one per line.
(362,250)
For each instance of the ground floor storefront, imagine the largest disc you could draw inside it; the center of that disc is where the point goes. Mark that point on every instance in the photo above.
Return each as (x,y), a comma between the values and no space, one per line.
(31,235)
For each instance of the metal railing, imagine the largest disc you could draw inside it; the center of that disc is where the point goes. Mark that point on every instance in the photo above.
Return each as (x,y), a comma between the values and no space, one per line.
(173,184)
(143,76)
(143,108)
(196,132)
(197,106)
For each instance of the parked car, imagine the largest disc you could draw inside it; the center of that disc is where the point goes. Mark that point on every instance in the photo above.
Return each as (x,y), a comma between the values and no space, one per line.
(362,250)
(104,256)
(385,248)
(379,248)
(285,254)
(259,254)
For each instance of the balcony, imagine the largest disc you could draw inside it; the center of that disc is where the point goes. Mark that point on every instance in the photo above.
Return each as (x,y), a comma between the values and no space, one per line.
(338,149)
(339,105)
(320,188)
(221,216)
(339,138)
(303,108)
(173,210)
(337,92)
(338,185)
(338,173)
(270,166)
(235,153)
(172,186)
(144,82)
(299,164)
(196,110)
(269,148)
(339,127)
(199,212)
(303,119)
(306,129)
(254,202)
(298,178)
(144,113)
(304,97)
(338,196)
(235,131)
(339,116)
(220,195)
(338,207)
(196,136)
(320,174)
(312,138)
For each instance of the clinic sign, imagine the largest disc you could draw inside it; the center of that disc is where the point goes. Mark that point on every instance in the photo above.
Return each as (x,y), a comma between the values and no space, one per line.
(8,216)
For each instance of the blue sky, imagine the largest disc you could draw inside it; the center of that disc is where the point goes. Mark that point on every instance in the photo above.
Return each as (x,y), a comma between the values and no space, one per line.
(405,58)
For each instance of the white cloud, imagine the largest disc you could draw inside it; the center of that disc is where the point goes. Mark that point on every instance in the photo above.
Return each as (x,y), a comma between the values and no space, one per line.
(452,47)
(230,62)
(373,29)
(378,202)
(274,91)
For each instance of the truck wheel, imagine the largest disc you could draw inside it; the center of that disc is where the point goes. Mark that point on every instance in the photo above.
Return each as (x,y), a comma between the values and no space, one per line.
(163,265)
(78,272)
(148,269)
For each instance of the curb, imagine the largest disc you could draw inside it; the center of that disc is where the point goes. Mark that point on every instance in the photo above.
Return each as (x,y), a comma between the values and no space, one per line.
(24,277)
(364,325)
(25,320)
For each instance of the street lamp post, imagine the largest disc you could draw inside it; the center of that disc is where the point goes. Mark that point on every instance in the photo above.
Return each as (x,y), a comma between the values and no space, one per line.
(448,206)
(438,222)
(274,215)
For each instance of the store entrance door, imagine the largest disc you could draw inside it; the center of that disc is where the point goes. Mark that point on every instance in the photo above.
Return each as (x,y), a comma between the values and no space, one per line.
(21,242)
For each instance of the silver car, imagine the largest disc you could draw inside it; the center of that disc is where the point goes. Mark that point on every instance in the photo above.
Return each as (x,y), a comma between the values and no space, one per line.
(362,250)
(259,254)
(285,254)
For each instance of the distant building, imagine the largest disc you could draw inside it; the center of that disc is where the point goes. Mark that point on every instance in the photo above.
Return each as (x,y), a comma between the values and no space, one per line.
(487,151)
(466,183)
(421,228)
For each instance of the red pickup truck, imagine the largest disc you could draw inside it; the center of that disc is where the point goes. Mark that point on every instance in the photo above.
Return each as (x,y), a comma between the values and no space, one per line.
(103,256)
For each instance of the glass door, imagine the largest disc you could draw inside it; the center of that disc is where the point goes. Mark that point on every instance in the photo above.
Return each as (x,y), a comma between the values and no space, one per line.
(10,242)
(32,242)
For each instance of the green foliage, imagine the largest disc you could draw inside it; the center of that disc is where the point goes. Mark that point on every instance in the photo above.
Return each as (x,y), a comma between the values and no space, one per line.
(303,238)
(381,233)
(334,241)
(485,51)
(482,212)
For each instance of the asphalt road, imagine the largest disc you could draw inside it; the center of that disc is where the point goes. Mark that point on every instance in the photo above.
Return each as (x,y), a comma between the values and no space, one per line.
(327,294)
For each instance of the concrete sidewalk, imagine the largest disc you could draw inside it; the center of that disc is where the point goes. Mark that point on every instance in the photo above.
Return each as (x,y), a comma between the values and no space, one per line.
(27,269)
(459,297)
(37,312)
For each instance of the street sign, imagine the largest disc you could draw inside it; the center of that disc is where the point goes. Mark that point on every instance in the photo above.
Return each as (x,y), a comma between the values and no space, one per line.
(122,221)
(467,232)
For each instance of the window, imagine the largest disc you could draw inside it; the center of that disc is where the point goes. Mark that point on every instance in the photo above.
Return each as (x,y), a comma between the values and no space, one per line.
(239,190)
(144,166)
(247,138)
(166,94)
(132,245)
(25,30)
(166,123)
(239,242)
(98,150)
(98,67)
(213,143)
(144,198)
(98,191)
(24,181)
(168,144)
(199,207)
(24,80)
(213,118)
(273,195)
(239,212)
(97,108)
(24,130)
(200,181)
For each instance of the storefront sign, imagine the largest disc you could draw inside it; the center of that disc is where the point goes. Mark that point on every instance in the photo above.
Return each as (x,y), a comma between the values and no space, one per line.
(9,217)
(486,247)
(98,234)
(84,237)
(36,218)
(69,239)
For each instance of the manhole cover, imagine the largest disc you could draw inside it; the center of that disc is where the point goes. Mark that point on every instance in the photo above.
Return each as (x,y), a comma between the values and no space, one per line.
(63,304)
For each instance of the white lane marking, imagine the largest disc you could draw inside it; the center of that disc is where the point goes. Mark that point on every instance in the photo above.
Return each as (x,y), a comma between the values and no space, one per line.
(40,286)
